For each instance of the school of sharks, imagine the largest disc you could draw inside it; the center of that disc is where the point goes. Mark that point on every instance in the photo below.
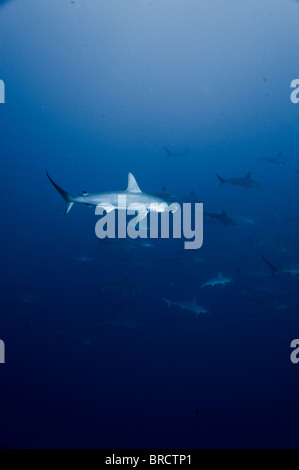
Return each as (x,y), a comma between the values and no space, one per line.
(127,288)
(150,249)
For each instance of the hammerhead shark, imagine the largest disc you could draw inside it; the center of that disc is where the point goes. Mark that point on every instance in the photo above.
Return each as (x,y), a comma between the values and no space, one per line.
(133,197)
(246,181)
(220,280)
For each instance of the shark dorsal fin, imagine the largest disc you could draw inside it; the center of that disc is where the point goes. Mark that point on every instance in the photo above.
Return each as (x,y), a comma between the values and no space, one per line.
(132,185)
(224,213)
(248,176)
(220,275)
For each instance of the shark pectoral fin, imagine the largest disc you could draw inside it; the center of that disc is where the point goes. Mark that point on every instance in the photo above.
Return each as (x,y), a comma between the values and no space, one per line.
(68,207)
(69,199)
(222,180)
(175,207)
(142,215)
(273,268)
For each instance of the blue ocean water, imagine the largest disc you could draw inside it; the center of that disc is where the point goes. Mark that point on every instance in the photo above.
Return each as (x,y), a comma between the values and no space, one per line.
(95,90)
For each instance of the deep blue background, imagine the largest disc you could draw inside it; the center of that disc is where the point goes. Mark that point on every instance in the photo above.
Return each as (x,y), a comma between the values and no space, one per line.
(95,89)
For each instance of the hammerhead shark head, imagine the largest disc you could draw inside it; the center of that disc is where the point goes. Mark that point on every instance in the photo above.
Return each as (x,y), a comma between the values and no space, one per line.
(246,181)
(133,197)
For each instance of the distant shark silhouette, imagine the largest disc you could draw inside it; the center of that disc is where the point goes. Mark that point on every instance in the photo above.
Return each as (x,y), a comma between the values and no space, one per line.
(191,306)
(279,245)
(222,218)
(167,196)
(125,287)
(293,269)
(172,197)
(134,196)
(171,154)
(220,280)
(276,160)
(246,181)
(274,304)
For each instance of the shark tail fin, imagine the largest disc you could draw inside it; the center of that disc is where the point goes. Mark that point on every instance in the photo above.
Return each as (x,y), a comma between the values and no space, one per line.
(273,268)
(69,199)
(222,180)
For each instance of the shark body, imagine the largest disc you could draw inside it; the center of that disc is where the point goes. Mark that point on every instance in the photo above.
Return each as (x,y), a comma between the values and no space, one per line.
(276,160)
(246,182)
(274,304)
(188,305)
(171,154)
(134,197)
(224,219)
(221,217)
(276,244)
(126,287)
(220,280)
